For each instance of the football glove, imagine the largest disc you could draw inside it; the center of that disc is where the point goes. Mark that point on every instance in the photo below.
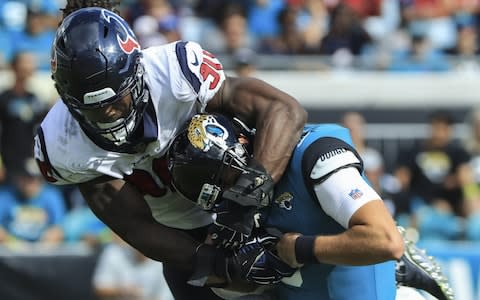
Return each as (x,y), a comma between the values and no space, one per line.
(254,262)
(267,268)
(254,187)
(233,224)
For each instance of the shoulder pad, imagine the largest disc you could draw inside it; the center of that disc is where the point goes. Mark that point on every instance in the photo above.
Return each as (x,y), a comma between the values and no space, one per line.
(327,155)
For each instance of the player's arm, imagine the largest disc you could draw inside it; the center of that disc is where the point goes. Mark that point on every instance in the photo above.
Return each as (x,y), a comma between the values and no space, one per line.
(335,180)
(277,117)
(122,208)
(371,237)
(279,120)
(119,205)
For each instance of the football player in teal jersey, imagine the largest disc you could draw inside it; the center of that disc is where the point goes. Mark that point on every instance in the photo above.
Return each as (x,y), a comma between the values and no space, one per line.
(339,233)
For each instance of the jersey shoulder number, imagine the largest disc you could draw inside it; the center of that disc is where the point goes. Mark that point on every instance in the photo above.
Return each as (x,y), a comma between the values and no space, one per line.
(201,68)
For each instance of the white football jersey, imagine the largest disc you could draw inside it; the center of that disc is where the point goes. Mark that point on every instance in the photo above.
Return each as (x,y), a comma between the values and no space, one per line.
(182,78)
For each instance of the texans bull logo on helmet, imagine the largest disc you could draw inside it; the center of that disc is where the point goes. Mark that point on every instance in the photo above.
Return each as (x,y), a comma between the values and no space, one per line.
(129,44)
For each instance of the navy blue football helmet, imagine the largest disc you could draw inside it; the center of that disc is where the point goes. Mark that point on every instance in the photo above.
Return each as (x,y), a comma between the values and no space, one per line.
(207,157)
(95,63)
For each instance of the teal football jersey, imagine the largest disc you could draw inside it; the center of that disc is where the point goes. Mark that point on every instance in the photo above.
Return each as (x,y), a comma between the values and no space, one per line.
(297,209)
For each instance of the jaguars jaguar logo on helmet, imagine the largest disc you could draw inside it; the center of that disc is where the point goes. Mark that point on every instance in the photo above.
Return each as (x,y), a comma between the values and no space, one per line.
(205,129)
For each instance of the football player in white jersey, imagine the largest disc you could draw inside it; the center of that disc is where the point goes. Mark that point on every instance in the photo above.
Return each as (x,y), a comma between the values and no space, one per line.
(120,108)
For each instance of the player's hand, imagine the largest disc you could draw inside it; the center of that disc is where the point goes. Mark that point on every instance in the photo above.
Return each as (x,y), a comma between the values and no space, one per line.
(252,188)
(286,249)
(257,262)
(217,267)
(233,224)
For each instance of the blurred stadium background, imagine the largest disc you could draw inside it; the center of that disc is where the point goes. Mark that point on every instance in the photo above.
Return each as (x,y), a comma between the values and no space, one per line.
(390,70)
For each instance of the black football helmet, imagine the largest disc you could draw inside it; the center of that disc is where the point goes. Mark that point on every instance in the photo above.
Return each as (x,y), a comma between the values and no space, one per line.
(95,62)
(207,156)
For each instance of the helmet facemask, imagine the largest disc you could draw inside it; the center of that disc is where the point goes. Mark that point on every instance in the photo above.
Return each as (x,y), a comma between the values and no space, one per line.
(120,130)
(231,167)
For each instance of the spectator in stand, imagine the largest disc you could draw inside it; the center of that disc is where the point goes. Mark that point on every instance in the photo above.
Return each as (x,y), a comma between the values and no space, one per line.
(432,19)
(312,21)
(387,35)
(232,33)
(355,122)
(37,38)
(466,50)
(154,22)
(420,58)
(169,27)
(345,32)
(290,39)
(385,184)
(20,113)
(146,29)
(213,9)
(13,13)
(30,210)
(245,62)
(262,18)
(436,173)
(158,9)
(124,273)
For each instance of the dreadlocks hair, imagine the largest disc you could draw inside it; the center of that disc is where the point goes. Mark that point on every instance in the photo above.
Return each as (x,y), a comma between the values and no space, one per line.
(74,5)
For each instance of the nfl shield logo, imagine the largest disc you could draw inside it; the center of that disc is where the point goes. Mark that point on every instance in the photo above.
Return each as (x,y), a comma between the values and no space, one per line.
(355,194)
